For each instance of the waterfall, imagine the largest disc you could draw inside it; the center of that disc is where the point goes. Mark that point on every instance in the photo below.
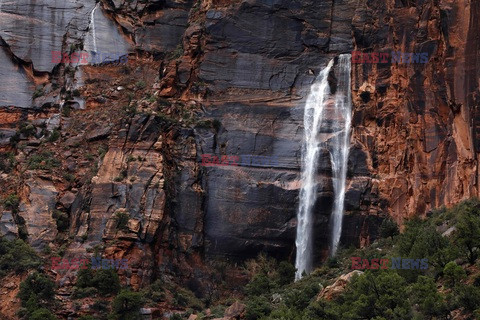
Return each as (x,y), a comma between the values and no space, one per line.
(340,147)
(315,120)
(312,120)
(92,23)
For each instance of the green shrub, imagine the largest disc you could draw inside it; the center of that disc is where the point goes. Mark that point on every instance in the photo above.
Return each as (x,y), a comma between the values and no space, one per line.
(79,293)
(42,314)
(27,129)
(106,281)
(84,278)
(54,135)
(257,307)
(453,273)
(389,228)
(176,53)
(61,219)
(430,303)
(38,93)
(140,84)
(126,305)
(36,292)
(122,220)
(286,273)
(467,236)
(7,162)
(17,256)
(11,202)
(43,161)
(469,297)
(260,284)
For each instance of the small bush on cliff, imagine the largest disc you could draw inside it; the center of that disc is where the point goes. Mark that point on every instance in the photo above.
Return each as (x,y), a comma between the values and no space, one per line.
(61,219)
(36,292)
(453,274)
(122,220)
(16,256)
(126,306)
(11,202)
(103,281)
(43,161)
(7,162)
(389,228)
(42,314)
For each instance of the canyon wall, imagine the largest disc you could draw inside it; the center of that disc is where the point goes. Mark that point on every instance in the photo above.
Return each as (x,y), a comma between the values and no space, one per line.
(247,66)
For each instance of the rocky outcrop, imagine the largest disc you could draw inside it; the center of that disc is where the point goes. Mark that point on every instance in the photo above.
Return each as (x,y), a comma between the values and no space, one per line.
(338,287)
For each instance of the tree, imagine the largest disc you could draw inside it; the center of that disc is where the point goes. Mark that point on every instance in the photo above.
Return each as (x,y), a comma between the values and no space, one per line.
(42,314)
(126,305)
(467,235)
(106,281)
(286,273)
(453,273)
(35,292)
(379,294)
(389,228)
(257,307)
(424,294)
(37,287)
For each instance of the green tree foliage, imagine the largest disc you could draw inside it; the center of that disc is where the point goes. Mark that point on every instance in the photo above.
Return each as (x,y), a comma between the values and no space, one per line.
(286,273)
(376,295)
(389,228)
(428,301)
(126,306)
(42,314)
(467,236)
(106,281)
(260,284)
(257,307)
(16,256)
(453,273)
(103,281)
(36,292)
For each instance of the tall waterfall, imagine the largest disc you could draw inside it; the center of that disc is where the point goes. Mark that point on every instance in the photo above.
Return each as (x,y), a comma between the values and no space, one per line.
(337,123)
(340,146)
(92,24)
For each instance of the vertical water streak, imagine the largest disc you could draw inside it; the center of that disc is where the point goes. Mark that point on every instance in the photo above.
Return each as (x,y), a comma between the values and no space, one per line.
(313,115)
(92,24)
(340,146)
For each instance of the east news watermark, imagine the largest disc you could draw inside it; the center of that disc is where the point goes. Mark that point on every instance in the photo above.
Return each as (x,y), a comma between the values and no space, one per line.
(389,57)
(396,263)
(92,57)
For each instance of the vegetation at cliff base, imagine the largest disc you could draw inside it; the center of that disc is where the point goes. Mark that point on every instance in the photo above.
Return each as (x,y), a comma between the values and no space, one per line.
(449,239)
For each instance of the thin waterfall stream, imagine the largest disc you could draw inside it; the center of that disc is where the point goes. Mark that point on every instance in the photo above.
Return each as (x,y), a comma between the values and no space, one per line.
(336,122)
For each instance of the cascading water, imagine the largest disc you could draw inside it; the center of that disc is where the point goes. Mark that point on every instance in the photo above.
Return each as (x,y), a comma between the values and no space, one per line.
(314,120)
(92,24)
(340,147)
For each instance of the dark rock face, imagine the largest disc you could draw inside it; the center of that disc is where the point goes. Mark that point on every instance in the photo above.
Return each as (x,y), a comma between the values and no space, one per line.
(250,64)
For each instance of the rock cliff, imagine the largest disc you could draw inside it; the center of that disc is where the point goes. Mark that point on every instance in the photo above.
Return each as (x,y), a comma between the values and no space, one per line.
(226,78)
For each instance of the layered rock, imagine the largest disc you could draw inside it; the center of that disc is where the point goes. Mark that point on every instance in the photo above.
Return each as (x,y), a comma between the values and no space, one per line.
(250,64)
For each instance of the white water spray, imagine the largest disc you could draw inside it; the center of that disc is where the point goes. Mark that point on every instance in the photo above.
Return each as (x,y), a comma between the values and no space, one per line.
(314,120)
(340,147)
(92,23)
